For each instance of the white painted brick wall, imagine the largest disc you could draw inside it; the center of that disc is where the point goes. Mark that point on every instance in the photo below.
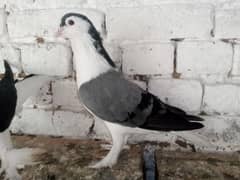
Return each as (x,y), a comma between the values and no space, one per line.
(227,23)
(40,121)
(105,4)
(65,95)
(222,99)
(33,121)
(175,45)
(2,21)
(44,23)
(12,55)
(51,112)
(236,61)
(154,23)
(72,124)
(148,58)
(186,94)
(14,5)
(204,58)
(47,59)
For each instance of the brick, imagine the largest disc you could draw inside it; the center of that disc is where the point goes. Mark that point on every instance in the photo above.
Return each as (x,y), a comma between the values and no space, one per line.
(72,124)
(43,59)
(39,96)
(65,95)
(59,123)
(12,55)
(105,4)
(227,23)
(157,2)
(155,22)
(44,23)
(2,21)
(220,133)
(14,5)
(32,87)
(51,120)
(186,94)
(213,78)
(34,121)
(148,58)
(236,61)
(2,4)
(204,58)
(221,99)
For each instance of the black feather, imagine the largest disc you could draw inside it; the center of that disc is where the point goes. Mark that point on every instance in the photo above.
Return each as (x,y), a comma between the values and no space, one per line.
(8,98)
(169,118)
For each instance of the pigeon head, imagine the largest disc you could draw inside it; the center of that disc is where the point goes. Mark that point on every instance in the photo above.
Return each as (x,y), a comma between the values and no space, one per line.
(74,25)
(78,27)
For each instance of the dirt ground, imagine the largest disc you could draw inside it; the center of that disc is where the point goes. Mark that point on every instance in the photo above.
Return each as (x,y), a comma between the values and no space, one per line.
(68,159)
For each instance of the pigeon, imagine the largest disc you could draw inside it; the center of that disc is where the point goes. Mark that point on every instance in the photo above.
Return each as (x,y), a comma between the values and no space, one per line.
(105,92)
(8,102)
(11,100)
(8,96)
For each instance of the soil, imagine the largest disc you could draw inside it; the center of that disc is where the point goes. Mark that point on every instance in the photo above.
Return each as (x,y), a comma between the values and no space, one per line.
(68,159)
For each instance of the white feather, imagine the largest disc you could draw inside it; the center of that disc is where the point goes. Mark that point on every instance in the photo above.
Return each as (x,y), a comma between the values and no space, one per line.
(5,142)
(88,62)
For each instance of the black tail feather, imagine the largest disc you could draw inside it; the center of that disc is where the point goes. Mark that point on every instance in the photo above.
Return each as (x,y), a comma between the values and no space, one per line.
(169,118)
(173,127)
(170,123)
(175,110)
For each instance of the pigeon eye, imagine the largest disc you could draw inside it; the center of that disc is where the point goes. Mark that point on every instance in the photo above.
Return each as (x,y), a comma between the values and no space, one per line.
(71,22)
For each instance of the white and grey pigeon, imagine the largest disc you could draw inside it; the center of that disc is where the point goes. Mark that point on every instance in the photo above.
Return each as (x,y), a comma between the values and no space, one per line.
(105,93)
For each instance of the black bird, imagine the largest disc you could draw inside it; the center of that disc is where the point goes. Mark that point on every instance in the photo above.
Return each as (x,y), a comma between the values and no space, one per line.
(8,102)
(8,98)
(10,157)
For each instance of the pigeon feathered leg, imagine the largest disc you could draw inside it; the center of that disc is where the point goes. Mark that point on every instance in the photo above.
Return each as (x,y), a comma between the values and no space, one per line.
(119,139)
(6,164)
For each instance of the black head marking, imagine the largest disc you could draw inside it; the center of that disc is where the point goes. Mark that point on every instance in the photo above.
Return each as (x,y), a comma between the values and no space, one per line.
(64,18)
(94,35)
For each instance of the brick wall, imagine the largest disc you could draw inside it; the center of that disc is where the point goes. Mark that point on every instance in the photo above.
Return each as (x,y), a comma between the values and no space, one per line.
(186,52)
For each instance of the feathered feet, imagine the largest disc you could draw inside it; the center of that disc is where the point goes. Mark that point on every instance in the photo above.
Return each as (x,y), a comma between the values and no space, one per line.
(13,159)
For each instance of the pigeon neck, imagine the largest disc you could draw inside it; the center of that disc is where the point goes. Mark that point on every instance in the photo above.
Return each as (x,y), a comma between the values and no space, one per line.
(88,62)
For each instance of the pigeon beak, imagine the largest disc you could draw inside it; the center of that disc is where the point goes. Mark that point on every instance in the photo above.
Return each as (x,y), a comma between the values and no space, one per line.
(59,33)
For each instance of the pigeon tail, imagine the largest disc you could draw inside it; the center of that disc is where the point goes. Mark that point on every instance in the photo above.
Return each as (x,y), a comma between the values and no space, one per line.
(169,118)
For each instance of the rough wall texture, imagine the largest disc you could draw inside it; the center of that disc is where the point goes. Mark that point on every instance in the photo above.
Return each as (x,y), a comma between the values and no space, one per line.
(185,51)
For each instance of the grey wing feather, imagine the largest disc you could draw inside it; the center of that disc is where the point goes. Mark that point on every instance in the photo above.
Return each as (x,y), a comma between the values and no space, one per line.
(113,98)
